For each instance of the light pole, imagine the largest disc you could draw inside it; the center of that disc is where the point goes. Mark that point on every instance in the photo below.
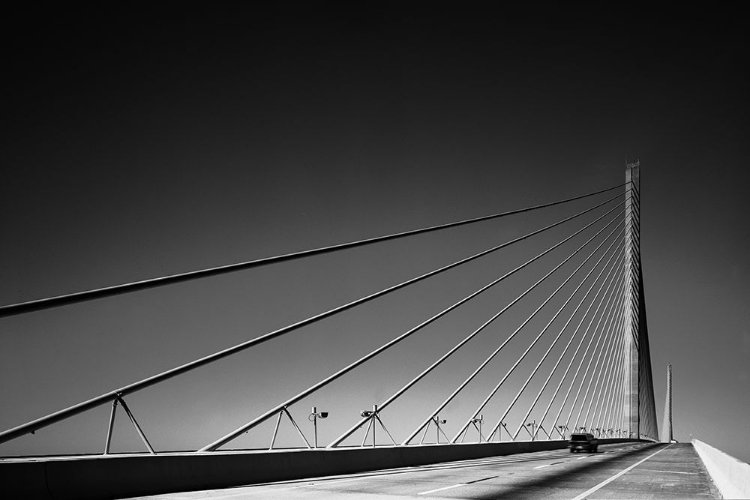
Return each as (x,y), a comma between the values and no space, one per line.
(532,425)
(437,427)
(313,417)
(372,415)
(478,420)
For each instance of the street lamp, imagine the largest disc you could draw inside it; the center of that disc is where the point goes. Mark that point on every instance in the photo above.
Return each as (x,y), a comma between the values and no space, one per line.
(532,425)
(478,420)
(372,415)
(437,427)
(313,417)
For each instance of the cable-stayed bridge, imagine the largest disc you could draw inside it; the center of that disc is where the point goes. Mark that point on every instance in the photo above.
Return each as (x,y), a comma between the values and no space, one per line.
(507,347)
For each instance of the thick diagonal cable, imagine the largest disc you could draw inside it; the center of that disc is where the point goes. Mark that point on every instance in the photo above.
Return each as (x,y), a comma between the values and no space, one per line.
(616,384)
(621,407)
(616,407)
(494,353)
(484,325)
(155,379)
(544,357)
(604,380)
(618,403)
(585,334)
(590,380)
(61,300)
(607,387)
(606,422)
(604,371)
(601,374)
(528,350)
(610,293)
(611,381)
(377,351)
(565,326)
(606,339)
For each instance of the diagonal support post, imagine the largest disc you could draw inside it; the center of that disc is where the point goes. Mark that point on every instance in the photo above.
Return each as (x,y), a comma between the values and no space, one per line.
(135,424)
(499,431)
(371,417)
(294,423)
(110,426)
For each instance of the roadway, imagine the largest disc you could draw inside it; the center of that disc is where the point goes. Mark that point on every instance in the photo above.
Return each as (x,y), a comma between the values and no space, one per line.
(629,470)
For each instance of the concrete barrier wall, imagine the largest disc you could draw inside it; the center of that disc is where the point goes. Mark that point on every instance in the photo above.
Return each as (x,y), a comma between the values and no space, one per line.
(117,476)
(731,476)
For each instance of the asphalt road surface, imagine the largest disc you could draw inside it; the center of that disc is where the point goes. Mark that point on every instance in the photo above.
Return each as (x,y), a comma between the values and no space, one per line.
(628,470)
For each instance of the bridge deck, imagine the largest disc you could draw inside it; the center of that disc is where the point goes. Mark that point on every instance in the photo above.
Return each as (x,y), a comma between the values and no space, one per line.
(617,471)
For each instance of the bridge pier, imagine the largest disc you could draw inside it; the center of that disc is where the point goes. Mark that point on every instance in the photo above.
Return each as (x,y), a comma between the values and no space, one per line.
(630,329)
(666,428)
(639,405)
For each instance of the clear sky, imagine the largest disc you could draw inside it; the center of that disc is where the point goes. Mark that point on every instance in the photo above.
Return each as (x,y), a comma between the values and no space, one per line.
(141,144)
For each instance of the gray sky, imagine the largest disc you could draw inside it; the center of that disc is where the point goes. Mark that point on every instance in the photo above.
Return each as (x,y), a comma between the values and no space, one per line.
(146,144)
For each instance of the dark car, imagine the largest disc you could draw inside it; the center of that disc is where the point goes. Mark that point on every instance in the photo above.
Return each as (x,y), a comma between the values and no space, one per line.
(580,441)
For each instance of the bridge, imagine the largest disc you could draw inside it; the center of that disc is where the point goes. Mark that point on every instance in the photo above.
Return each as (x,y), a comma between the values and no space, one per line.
(446,369)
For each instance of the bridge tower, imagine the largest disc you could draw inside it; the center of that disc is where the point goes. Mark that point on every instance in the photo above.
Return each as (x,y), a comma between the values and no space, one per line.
(640,407)
(666,428)
(630,330)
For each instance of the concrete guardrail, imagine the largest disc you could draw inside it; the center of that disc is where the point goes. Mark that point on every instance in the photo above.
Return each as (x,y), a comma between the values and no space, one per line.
(118,476)
(731,476)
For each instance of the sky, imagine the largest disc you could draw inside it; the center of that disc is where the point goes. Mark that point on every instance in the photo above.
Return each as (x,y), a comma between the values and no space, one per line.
(140,144)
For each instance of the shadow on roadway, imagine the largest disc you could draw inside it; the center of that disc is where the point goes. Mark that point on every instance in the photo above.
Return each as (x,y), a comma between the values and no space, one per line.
(550,481)
(412,469)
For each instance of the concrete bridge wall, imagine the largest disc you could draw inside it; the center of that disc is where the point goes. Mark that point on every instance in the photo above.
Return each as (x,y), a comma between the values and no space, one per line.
(117,476)
(731,476)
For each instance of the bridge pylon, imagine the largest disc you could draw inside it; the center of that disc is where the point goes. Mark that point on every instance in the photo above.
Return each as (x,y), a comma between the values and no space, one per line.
(666,428)
(639,405)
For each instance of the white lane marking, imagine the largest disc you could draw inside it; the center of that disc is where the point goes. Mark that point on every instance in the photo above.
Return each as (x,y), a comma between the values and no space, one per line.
(625,471)
(265,488)
(581,458)
(268,488)
(456,485)
(671,472)
(548,465)
(441,489)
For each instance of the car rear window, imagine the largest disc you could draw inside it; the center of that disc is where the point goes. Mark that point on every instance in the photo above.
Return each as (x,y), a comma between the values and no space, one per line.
(578,437)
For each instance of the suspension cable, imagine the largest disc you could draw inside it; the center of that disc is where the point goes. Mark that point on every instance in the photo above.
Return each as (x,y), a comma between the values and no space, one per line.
(608,296)
(497,387)
(596,364)
(61,300)
(518,362)
(213,446)
(484,325)
(137,386)
(544,357)
(572,337)
(575,333)
(489,358)
(604,372)
(612,378)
